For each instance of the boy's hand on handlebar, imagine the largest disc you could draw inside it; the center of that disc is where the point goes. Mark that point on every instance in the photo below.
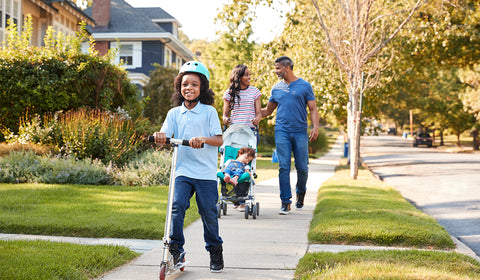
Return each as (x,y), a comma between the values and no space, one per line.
(160,138)
(196,142)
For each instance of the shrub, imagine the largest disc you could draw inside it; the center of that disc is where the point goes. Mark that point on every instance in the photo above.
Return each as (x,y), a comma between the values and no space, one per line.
(82,134)
(147,169)
(27,167)
(34,81)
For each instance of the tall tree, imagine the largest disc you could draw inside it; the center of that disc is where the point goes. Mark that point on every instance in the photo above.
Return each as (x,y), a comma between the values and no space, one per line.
(356,32)
(233,46)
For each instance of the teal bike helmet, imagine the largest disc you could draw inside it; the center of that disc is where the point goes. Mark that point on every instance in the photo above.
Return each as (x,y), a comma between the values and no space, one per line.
(195,66)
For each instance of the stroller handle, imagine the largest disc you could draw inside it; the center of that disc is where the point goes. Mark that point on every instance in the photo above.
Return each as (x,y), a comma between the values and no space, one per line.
(183,142)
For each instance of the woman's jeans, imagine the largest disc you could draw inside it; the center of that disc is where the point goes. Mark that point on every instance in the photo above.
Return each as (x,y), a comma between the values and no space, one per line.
(286,143)
(206,197)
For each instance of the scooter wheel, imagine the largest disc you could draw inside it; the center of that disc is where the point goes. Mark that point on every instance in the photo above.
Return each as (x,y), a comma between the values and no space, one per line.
(163,271)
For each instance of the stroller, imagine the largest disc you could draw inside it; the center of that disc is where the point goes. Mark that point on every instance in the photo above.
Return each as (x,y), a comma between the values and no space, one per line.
(234,138)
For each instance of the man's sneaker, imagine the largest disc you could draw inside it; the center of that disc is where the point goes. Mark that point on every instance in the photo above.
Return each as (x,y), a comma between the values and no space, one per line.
(285,210)
(177,256)
(216,259)
(300,199)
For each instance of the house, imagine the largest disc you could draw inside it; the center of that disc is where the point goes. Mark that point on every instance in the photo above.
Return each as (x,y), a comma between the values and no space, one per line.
(62,15)
(143,36)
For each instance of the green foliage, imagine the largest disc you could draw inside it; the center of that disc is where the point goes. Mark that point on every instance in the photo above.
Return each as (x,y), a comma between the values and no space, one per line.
(37,80)
(159,91)
(33,260)
(428,54)
(149,168)
(83,134)
(233,46)
(27,167)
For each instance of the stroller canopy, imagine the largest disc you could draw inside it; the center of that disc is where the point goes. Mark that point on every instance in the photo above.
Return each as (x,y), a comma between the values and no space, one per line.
(238,136)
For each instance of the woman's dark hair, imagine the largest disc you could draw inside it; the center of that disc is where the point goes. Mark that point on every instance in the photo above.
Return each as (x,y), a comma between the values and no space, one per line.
(234,90)
(206,94)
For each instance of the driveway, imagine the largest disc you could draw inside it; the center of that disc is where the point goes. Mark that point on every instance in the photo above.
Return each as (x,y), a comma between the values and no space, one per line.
(444,185)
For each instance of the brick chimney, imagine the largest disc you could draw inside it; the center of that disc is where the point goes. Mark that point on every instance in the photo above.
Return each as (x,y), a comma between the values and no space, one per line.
(101,12)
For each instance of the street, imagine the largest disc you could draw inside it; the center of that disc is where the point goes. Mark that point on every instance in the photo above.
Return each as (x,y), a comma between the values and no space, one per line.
(444,185)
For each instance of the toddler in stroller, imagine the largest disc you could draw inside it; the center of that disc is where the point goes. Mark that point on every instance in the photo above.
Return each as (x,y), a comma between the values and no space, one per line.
(238,169)
(237,186)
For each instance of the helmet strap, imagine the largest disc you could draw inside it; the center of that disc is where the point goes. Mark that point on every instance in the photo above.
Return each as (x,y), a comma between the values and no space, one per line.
(194,101)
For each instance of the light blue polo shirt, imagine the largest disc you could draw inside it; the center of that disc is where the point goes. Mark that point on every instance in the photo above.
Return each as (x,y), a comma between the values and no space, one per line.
(182,123)
(291,102)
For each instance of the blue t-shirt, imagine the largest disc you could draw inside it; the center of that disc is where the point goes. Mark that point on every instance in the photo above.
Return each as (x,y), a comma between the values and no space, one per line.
(291,102)
(182,123)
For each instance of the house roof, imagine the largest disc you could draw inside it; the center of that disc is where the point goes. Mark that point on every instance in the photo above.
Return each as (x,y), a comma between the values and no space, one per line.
(125,18)
(81,14)
(129,23)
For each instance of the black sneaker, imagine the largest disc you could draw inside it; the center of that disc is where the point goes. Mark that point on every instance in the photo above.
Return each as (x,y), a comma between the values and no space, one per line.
(300,199)
(216,259)
(285,210)
(177,256)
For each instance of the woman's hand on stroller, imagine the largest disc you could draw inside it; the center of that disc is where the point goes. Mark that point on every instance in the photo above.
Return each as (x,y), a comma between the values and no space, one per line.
(160,138)
(226,120)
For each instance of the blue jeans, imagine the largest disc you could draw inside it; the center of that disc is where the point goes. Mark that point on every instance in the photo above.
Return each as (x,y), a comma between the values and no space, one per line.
(286,143)
(206,197)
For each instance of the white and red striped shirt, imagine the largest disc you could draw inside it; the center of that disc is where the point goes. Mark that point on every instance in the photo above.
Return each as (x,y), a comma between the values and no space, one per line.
(244,111)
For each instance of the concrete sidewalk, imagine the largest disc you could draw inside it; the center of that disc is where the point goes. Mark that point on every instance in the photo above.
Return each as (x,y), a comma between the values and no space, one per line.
(268,247)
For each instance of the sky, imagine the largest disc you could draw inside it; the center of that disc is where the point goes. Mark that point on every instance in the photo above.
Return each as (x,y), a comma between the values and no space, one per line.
(197,17)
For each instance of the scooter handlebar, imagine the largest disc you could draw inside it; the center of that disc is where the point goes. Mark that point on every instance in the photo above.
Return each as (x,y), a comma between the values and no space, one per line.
(182,142)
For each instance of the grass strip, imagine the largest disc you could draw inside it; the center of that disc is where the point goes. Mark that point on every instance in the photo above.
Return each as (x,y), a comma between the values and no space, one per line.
(369,212)
(86,211)
(37,260)
(390,264)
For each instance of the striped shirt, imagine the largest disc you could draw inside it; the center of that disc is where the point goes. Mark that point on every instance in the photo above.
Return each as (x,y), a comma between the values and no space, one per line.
(243,112)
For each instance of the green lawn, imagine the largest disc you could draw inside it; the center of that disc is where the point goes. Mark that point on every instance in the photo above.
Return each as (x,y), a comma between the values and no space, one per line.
(392,264)
(44,260)
(85,211)
(366,211)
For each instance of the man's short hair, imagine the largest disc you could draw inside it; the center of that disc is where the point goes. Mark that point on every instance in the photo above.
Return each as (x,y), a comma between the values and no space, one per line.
(285,61)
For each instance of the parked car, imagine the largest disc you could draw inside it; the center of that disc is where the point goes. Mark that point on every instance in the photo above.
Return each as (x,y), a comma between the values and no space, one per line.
(392,130)
(422,138)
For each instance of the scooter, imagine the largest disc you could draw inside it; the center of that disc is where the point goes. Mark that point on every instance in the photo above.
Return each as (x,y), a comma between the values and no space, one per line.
(167,265)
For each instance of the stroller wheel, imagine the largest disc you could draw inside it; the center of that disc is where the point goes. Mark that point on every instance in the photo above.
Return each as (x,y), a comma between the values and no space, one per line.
(219,209)
(254,212)
(224,207)
(258,208)
(247,211)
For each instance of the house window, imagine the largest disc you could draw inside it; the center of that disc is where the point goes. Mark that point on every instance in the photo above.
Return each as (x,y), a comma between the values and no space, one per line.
(168,57)
(9,9)
(126,54)
(178,62)
(129,54)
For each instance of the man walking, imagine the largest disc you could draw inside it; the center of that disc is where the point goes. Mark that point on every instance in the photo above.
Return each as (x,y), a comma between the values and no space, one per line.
(291,97)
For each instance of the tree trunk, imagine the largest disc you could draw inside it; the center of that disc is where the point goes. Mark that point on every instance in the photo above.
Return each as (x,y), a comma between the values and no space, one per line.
(354,128)
(476,143)
(441,137)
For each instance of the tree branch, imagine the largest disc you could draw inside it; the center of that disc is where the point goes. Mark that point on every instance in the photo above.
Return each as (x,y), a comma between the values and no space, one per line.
(327,34)
(383,44)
